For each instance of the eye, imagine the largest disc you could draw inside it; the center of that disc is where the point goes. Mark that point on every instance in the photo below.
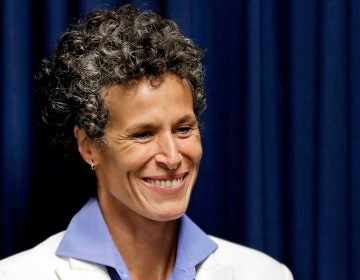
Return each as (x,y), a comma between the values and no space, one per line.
(143,136)
(184,131)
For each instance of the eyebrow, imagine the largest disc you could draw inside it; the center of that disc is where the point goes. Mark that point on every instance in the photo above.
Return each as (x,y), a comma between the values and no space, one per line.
(140,126)
(149,126)
(186,118)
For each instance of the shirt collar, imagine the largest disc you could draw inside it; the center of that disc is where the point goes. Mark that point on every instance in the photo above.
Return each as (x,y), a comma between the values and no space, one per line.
(194,246)
(87,238)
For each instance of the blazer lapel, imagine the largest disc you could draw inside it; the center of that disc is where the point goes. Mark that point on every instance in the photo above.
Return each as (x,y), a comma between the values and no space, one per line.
(211,269)
(223,273)
(80,270)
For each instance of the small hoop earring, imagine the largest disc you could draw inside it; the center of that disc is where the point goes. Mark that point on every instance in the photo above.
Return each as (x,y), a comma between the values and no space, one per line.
(92,165)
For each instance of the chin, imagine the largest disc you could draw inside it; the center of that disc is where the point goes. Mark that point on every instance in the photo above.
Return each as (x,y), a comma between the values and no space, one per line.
(169,214)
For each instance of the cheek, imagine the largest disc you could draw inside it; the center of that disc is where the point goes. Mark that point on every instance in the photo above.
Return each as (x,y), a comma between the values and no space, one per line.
(197,146)
(199,153)
(136,156)
(193,150)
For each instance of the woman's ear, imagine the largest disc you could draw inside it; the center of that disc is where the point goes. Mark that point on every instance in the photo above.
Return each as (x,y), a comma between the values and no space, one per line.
(86,146)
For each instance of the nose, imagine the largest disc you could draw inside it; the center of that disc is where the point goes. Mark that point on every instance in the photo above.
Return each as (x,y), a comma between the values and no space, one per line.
(168,156)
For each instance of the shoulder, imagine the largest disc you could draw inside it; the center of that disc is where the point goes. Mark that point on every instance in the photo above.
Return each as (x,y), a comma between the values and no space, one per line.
(39,260)
(232,252)
(244,263)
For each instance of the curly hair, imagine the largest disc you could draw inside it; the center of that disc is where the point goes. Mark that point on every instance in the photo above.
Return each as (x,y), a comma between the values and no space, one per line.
(111,47)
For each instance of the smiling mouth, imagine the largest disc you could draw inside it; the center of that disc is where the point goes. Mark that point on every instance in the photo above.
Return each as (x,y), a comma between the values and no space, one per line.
(165,183)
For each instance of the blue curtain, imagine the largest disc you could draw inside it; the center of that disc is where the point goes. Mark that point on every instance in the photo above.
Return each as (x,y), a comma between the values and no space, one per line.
(281,135)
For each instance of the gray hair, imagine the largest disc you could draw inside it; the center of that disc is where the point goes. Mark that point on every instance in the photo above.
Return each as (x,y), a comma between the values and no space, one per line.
(111,47)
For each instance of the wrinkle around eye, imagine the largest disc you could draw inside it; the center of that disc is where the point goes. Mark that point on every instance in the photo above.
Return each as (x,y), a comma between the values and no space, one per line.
(143,136)
(187,130)
(184,131)
(133,135)
(120,139)
(116,142)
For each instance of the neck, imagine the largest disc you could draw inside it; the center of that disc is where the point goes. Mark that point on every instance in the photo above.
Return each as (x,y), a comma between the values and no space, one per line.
(148,247)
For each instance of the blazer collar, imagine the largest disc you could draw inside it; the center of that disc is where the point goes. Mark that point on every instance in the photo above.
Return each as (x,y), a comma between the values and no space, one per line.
(78,270)
(213,269)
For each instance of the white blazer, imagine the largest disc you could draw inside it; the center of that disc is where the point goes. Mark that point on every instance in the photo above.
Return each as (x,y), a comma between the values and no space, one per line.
(229,262)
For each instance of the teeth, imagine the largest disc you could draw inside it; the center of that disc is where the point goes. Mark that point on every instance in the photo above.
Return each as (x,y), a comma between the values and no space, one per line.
(165,183)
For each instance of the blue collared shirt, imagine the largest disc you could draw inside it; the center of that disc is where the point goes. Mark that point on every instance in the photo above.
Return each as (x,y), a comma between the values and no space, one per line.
(87,238)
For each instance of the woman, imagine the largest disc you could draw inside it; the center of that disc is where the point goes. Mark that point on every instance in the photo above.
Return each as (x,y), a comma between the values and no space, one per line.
(126,87)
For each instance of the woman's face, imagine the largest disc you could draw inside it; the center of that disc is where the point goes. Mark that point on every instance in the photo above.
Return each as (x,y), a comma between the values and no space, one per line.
(149,161)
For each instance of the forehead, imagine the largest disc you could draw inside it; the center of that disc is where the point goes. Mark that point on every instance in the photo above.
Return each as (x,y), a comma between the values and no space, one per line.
(164,96)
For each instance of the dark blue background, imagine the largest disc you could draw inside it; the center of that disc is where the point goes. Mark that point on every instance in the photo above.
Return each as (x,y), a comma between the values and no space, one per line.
(281,169)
